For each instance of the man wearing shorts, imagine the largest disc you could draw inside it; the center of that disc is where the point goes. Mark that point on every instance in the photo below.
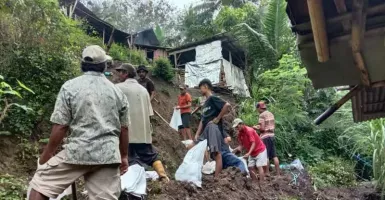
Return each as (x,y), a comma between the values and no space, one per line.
(256,151)
(184,105)
(266,126)
(95,113)
(211,126)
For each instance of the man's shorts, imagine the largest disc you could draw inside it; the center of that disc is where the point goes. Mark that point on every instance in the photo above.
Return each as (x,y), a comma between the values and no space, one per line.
(258,161)
(270,147)
(186,117)
(142,154)
(53,177)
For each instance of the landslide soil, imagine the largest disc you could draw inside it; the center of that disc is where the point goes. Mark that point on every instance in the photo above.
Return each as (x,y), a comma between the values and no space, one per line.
(18,158)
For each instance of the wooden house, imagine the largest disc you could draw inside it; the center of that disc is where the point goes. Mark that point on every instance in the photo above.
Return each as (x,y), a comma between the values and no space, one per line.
(342,43)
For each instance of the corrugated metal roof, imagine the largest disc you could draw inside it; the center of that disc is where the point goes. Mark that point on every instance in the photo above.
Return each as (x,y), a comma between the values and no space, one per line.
(369,104)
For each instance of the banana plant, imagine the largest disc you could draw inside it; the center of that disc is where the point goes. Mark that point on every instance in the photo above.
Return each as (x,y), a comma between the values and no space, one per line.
(8,94)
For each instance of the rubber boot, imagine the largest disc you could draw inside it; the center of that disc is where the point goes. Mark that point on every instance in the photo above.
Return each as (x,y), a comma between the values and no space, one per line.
(158,167)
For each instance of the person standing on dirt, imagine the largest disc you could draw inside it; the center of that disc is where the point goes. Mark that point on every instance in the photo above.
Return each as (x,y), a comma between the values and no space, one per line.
(184,105)
(211,125)
(256,151)
(266,126)
(95,112)
(140,147)
(145,81)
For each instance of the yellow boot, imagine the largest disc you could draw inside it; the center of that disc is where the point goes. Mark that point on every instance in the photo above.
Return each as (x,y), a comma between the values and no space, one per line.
(158,167)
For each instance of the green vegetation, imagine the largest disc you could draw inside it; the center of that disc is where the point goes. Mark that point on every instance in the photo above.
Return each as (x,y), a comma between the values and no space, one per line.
(333,171)
(41,49)
(121,53)
(163,69)
(11,187)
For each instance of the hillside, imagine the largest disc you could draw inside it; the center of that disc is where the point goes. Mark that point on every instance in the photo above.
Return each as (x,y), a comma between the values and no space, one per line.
(18,159)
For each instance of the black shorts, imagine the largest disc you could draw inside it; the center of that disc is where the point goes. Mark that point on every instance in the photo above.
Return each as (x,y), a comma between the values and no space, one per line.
(186,117)
(142,154)
(270,147)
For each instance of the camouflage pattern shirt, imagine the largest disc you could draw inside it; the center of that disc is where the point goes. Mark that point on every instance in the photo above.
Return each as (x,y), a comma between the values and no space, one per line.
(94,109)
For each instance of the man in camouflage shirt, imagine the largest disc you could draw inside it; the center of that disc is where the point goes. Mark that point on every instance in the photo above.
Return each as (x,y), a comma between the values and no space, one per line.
(95,112)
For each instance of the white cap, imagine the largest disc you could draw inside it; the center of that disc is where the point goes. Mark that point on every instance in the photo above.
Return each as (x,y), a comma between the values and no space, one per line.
(94,54)
(236,122)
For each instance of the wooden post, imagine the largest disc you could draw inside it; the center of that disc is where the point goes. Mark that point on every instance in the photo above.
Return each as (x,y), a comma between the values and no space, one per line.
(230,58)
(73,188)
(358,33)
(176,67)
(104,35)
(110,40)
(341,9)
(317,19)
(337,105)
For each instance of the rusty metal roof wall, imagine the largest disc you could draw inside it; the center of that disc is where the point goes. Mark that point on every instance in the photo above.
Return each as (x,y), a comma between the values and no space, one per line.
(369,104)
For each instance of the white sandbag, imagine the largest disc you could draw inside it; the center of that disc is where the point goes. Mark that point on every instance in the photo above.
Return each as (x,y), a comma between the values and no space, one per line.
(187,142)
(176,119)
(297,165)
(209,168)
(191,168)
(152,175)
(245,163)
(134,180)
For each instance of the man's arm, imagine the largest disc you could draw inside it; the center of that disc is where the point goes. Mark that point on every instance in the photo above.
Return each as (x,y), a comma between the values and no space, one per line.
(199,130)
(238,149)
(195,110)
(186,106)
(251,150)
(152,95)
(225,110)
(262,125)
(61,118)
(123,147)
(57,135)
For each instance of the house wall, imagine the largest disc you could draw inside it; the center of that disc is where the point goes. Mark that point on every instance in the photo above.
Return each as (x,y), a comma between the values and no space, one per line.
(159,53)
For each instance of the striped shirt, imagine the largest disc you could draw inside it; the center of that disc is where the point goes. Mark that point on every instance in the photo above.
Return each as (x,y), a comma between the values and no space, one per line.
(267,124)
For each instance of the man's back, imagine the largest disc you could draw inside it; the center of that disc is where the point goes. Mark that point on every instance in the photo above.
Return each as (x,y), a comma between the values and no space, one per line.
(140,111)
(95,110)
(267,121)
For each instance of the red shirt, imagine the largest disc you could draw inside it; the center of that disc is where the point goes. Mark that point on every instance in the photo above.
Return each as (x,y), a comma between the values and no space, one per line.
(247,136)
(184,100)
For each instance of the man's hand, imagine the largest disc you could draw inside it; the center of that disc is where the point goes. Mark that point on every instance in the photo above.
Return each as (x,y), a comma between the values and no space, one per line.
(124,166)
(196,137)
(215,120)
(44,158)
(257,127)
(177,107)
(246,155)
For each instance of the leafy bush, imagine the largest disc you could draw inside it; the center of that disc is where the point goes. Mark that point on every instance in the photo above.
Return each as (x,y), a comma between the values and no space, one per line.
(137,57)
(41,48)
(333,171)
(121,53)
(11,187)
(163,69)
(118,52)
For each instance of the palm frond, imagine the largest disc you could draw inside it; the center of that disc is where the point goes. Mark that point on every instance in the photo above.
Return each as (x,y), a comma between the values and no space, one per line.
(275,25)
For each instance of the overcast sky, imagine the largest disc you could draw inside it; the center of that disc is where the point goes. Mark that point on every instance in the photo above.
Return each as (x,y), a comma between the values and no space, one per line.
(183,3)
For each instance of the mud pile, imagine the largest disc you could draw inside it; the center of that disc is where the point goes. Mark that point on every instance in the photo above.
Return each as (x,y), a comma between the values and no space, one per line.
(232,184)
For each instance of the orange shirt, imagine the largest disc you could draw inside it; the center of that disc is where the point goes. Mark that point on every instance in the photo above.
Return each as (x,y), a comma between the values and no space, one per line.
(184,100)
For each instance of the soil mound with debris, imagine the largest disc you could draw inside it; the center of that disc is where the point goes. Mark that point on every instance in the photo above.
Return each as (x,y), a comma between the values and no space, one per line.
(232,184)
